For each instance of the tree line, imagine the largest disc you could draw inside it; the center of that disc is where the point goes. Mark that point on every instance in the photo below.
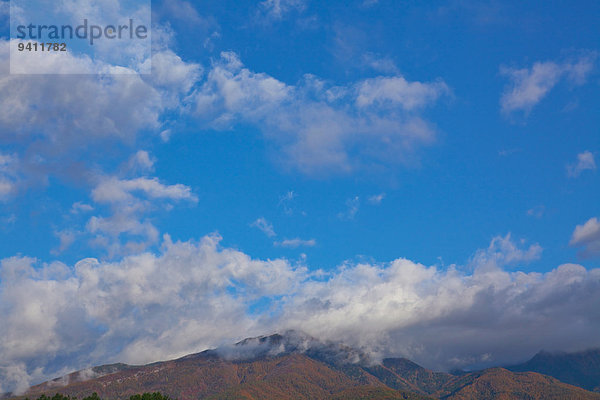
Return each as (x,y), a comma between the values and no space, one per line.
(94,396)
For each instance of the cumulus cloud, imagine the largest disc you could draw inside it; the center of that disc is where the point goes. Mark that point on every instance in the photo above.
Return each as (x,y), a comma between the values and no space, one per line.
(196,295)
(129,200)
(319,127)
(587,236)
(151,306)
(447,318)
(297,242)
(503,251)
(530,85)
(64,110)
(58,127)
(55,123)
(585,161)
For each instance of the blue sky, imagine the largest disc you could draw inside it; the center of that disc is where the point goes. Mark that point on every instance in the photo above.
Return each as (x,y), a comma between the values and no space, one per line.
(463,136)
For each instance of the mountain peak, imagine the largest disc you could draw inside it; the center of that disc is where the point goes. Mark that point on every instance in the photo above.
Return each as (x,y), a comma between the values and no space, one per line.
(293,342)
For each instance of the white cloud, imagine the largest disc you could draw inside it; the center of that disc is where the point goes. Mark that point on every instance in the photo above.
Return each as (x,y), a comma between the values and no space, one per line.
(397,91)
(66,238)
(585,161)
(231,90)
(79,207)
(43,117)
(114,190)
(588,237)
(530,85)
(64,110)
(151,306)
(126,230)
(503,251)
(265,226)
(173,77)
(141,161)
(297,242)
(197,295)
(319,128)
(380,64)
(446,318)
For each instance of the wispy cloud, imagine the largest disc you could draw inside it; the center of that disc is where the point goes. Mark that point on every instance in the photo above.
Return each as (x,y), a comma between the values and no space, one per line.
(66,238)
(8,175)
(286,202)
(537,211)
(277,9)
(352,207)
(530,85)
(80,207)
(585,162)
(376,199)
(265,226)
(297,242)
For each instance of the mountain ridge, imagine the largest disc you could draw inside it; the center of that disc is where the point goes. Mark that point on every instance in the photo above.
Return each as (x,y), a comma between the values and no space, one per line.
(296,366)
(580,368)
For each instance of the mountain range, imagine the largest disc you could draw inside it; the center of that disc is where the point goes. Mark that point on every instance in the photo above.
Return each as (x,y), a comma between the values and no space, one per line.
(296,366)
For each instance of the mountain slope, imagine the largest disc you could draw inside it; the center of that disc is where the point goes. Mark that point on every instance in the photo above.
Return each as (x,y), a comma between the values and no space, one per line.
(291,376)
(501,384)
(296,366)
(580,369)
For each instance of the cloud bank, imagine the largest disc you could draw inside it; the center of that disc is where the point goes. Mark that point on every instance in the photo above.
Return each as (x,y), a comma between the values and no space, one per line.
(190,296)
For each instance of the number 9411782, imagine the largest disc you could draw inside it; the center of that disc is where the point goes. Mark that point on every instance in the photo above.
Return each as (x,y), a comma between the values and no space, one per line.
(35,46)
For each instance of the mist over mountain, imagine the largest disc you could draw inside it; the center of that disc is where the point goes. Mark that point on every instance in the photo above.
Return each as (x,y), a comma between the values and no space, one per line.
(295,342)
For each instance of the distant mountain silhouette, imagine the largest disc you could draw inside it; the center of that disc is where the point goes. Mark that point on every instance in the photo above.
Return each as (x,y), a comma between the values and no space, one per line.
(296,366)
(579,369)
